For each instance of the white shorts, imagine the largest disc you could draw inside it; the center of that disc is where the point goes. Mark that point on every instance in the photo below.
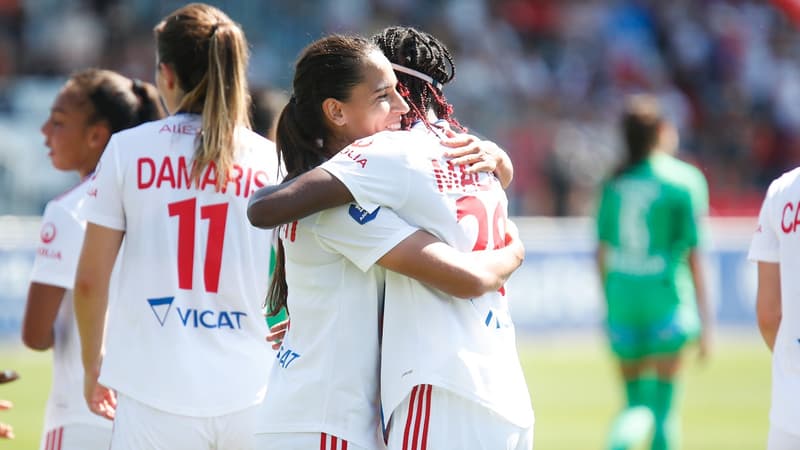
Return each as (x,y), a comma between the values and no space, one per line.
(303,441)
(138,426)
(781,440)
(435,418)
(77,436)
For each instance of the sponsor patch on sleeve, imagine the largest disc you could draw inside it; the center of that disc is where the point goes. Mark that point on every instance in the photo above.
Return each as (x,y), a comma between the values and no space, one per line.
(361,215)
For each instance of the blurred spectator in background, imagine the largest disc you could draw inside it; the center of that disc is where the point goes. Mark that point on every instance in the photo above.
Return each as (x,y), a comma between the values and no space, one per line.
(545,78)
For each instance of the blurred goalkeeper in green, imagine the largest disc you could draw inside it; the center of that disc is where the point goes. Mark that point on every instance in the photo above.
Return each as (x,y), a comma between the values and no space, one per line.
(648,226)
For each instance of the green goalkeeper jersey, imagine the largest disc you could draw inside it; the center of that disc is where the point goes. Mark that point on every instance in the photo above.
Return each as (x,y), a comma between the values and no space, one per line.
(649,219)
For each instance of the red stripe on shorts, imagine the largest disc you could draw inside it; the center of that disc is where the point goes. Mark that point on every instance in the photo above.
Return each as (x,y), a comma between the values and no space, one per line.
(428,390)
(323,443)
(60,437)
(409,417)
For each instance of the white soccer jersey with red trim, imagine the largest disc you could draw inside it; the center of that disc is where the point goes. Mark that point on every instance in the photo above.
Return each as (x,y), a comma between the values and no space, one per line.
(465,346)
(777,240)
(185,331)
(325,377)
(61,238)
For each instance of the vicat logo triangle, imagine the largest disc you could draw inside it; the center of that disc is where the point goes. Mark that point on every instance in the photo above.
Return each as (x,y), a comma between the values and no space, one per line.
(161,307)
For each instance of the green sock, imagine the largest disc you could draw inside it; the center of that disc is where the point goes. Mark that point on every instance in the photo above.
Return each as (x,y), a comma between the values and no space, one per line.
(666,433)
(639,390)
(634,424)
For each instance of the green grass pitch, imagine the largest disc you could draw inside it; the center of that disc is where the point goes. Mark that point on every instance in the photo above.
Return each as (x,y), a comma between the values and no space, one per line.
(724,402)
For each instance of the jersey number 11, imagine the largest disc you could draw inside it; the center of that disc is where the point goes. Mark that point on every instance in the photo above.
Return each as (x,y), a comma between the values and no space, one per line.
(216,214)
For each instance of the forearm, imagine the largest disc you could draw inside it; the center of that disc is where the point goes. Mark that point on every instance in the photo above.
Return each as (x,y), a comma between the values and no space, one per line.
(768,302)
(41,310)
(91,304)
(309,193)
(698,276)
(424,258)
(99,253)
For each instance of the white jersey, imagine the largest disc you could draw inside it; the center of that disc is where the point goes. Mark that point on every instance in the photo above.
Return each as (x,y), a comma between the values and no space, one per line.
(55,265)
(325,377)
(429,337)
(185,333)
(777,240)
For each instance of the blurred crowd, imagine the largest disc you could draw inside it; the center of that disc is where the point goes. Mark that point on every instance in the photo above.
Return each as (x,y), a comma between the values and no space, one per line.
(543,78)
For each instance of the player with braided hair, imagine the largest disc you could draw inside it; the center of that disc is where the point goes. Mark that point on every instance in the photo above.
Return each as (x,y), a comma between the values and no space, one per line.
(330,266)
(91,106)
(423,66)
(450,374)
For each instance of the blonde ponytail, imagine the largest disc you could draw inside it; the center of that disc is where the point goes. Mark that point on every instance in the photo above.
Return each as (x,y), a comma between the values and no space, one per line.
(220,92)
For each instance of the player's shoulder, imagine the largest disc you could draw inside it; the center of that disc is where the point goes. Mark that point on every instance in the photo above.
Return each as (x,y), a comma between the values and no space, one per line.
(255,145)
(386,140)
(788,181)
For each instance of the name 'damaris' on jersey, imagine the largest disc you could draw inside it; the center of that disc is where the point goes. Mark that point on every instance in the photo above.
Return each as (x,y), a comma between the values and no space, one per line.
(175,173)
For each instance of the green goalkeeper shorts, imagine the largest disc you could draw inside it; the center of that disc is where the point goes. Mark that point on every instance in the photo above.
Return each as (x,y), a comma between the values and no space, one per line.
(650,317)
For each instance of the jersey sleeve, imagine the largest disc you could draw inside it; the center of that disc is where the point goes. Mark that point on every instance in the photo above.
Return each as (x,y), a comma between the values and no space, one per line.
(362,242)
(375,171)
(59,248)
(603,220)
(764,246)
(103,205)
(687,218)
(700,207)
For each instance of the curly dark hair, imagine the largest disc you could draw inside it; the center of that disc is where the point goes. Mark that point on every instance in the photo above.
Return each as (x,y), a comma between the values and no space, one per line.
(422,52)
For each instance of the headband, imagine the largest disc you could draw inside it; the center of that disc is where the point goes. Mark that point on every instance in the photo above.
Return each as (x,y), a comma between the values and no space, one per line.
(417,74)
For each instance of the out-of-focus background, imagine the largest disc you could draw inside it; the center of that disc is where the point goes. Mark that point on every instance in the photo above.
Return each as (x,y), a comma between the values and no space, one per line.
(545,80)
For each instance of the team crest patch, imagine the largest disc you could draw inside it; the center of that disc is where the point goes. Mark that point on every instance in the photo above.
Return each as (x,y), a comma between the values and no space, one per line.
(361,215)
(48,232)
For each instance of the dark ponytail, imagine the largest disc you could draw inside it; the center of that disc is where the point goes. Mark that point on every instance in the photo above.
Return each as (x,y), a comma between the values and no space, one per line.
(640,123)
(328,68)
(149,101)
(115,99)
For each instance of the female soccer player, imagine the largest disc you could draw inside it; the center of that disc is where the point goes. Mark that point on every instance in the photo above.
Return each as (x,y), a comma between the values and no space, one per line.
(647,223)
(92,105)
(775,248)
(345,88)
(184,346)
(466,349)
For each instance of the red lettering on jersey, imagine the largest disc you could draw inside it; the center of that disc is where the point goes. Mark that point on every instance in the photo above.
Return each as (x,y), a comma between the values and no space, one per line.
(247,182)
(793,217)
(260,179)
(356,157)
(166,174)
(209,176)
(49,253)
(145,182)
(173,174)
(184,174)
(457,179)
(236,179)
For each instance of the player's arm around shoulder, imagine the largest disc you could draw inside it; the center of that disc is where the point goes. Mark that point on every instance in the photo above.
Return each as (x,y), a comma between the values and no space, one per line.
(299,197)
